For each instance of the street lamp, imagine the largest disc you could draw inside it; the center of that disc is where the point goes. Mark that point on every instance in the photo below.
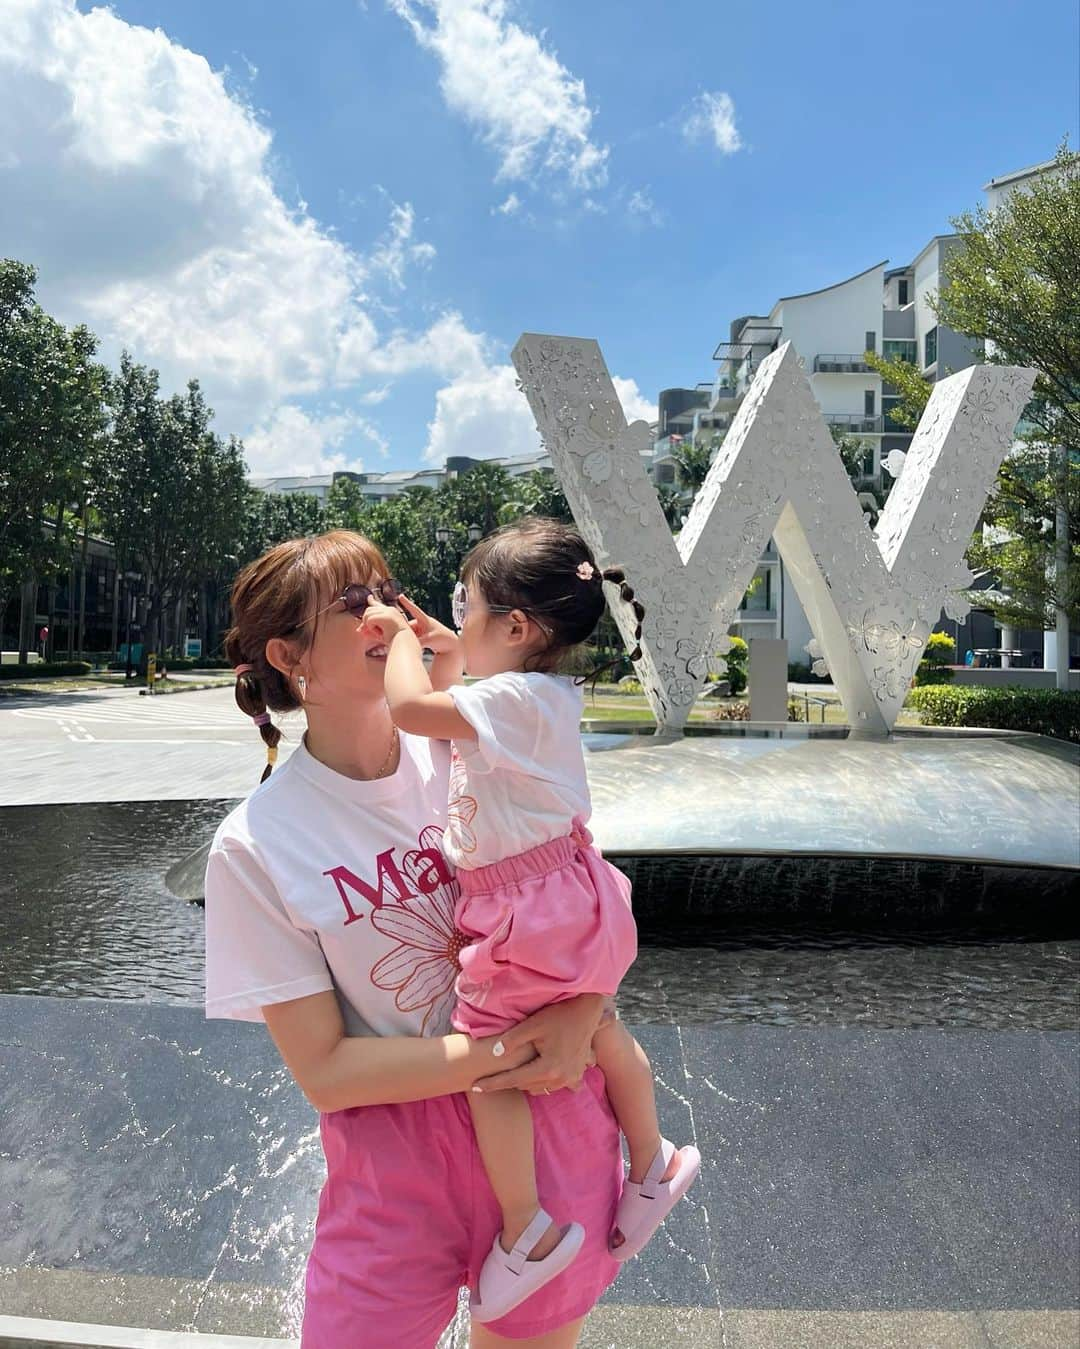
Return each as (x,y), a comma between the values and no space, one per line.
(132,578)
(475,533)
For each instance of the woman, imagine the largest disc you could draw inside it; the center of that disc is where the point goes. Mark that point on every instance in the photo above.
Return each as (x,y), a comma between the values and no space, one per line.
(329,912)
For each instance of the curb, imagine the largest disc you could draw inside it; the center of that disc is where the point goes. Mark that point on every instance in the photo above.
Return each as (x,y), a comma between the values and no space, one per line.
(184,688)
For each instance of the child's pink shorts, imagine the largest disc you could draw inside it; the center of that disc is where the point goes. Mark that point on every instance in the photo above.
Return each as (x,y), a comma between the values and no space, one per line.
(543,926)
(407,1216)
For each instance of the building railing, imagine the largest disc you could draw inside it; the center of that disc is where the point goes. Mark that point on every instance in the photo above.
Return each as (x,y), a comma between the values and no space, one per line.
(855,423)
(839,363)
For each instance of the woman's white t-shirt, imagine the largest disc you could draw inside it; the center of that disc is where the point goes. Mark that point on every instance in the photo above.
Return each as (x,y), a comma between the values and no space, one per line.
(522,781)
(320,882)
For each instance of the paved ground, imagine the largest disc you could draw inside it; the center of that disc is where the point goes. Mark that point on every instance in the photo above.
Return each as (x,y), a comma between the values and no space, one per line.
(871,1189)
(862,1189)
(114,745)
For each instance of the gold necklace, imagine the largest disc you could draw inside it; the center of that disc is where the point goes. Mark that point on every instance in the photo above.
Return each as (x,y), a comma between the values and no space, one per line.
(389,755)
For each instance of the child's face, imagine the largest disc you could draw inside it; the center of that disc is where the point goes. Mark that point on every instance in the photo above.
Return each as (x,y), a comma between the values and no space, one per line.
(494,641)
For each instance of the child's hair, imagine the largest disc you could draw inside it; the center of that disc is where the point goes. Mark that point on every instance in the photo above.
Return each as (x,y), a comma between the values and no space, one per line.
(545,568)
(272,597)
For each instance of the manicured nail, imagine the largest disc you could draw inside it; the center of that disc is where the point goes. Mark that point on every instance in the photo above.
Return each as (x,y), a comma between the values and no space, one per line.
(478,1090)
(498,1049)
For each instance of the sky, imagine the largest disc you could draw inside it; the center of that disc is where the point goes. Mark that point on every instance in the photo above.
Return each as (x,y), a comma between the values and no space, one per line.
(340,216)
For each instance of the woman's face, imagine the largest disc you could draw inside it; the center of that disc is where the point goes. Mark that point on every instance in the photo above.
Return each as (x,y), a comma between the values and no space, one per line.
(343,662)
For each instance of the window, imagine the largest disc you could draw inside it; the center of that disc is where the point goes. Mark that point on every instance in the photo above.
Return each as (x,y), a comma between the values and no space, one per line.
(868,403)
(871,341)
(900,349)
(930,346)
(888,402)
(901,292)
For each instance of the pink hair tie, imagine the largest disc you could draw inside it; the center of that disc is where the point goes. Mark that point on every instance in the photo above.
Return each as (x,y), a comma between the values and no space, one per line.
(238,670)
(263,719)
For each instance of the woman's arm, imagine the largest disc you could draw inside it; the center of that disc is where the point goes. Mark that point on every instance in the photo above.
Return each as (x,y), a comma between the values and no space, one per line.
(336,1071)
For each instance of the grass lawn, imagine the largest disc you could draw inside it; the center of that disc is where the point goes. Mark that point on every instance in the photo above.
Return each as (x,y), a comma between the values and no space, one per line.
(612,705)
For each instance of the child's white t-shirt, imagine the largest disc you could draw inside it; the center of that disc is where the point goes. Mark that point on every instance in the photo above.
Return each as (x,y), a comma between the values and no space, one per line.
(522,781)
(319,882)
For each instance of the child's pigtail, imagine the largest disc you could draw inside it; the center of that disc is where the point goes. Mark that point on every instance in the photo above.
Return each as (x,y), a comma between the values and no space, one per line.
(617,576)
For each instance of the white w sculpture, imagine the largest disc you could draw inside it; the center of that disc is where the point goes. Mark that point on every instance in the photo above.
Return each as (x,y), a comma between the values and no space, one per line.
(870,596)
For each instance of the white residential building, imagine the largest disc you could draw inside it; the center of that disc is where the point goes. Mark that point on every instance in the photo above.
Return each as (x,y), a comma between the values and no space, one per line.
(379,486)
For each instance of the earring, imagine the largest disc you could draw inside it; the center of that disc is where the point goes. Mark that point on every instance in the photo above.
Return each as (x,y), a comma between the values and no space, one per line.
(301,684)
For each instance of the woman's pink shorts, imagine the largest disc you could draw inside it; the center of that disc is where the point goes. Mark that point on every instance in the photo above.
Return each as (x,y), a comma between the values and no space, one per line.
(407,1216)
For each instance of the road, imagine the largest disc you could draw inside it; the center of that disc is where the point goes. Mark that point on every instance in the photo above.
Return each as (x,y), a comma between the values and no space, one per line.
(115,745)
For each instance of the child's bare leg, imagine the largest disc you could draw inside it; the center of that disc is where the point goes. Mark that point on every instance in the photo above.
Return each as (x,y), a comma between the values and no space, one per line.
(503,1124)
(628,1073)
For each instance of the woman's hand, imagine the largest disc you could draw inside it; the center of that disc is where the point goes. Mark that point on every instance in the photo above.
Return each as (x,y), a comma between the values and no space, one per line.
(562,1037)
(436,636)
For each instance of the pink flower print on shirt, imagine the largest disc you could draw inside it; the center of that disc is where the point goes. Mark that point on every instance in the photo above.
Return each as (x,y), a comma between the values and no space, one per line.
(422,968)
(460,813)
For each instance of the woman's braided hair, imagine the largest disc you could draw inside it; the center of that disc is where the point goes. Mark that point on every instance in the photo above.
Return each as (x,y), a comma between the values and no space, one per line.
(274,596)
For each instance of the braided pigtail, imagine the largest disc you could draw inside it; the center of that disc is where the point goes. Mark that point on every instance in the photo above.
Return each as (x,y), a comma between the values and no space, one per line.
(251,700)
(617,576)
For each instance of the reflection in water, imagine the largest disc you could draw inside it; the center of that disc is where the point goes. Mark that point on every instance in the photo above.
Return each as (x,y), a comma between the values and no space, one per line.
(84,912)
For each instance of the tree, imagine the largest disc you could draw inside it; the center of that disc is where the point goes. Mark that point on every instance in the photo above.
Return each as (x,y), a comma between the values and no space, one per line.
(403,528)
(173,496)
(1014,284)
(692,463)
(536,493)
(673,504)
(345,504)
(50,423)
(474,497)
(902,378)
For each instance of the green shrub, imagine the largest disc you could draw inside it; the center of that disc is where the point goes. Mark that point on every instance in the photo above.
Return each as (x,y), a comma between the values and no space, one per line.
(1042,711)
(938,655)
(630,685)
(736,659)
(45,668)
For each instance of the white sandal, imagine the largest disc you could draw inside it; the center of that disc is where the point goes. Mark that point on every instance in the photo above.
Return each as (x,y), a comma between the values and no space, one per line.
(644,1207)
(507,1278)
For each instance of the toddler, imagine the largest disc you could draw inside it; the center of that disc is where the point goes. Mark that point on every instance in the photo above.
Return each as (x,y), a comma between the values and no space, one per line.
(545,916)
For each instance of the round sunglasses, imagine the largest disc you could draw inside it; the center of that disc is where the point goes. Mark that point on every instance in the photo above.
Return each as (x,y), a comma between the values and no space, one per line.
(459,608)
(355,598)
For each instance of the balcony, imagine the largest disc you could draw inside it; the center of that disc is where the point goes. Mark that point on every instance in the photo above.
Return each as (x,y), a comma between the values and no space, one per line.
(854,423)
(839,363)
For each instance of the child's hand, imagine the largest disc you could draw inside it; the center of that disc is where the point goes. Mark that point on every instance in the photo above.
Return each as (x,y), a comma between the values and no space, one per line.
(384,620)
(436,636)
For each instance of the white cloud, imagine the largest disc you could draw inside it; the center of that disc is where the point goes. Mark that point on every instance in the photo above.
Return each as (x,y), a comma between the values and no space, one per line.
(509,206)
(525,104)
(642,207)
(713,116)
(143,191)
(482,413)
(636,407)
(395,250)
(292,441)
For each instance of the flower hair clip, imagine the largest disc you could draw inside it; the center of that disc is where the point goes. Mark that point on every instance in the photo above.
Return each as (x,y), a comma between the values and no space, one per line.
(586,571)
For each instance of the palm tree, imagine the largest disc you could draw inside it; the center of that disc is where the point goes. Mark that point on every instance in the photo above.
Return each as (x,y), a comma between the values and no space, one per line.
(692,466)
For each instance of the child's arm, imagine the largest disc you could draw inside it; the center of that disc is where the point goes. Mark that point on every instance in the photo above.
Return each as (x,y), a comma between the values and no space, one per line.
(414,704)
(448,666)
